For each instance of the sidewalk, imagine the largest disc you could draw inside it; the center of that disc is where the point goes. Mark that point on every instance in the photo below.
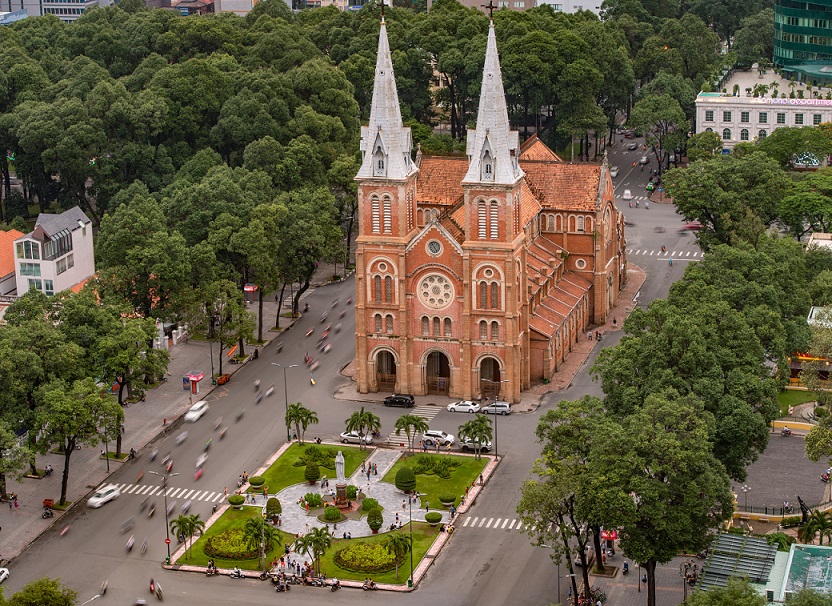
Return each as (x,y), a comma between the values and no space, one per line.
(144,421)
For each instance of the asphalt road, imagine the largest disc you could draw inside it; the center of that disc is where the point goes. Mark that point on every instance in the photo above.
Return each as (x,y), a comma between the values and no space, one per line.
(488,561)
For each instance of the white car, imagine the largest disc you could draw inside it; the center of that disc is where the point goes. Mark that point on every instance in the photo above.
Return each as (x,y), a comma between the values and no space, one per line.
(497,408)
(201,459)
(614,172)
(196,411)
(104,495)
(433,436)
(464,406)
(643,160)
(4,574)
(469,445)
(353,437)
(628,195)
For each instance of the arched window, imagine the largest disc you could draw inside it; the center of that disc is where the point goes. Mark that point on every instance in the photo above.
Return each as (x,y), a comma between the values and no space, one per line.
(436,332)
(376,216)
(550,222)
(388,289)
(378,322)
(589,223)
(726,134)
(481,219)
(425,326)
(495,331)
(483,330)
(377,289)
(762,134)
(487,168)
(744,134)
(447,327)
(495,296)
(493,223)
(483,295)
(580,224)
(387,219)
(389,327)
(709,130)
(378,158)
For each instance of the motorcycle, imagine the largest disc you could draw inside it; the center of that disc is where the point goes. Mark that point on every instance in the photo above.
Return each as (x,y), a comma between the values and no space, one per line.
(236,574)
(210,572)
(151,510)
(130,542)
(369,585)
(824,477)
(104,587)
(282,587)
(279,347)
(336,585)
(182,437)
(186,506)
(785,432)
(154,453)
(626,568)
(144,546)
(240,414)
(47,513)
(305,307)
(207,445)
(166,459)
(217,423)
(159,592)
(222,432)
(169,466)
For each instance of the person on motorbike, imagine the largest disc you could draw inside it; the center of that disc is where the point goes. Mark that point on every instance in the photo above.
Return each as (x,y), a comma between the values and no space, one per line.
(130,542)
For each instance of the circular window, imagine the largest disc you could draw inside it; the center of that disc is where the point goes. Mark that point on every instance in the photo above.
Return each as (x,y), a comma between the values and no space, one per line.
(488,273)
(382,266)
(436,291)
(580,264)
(434,247)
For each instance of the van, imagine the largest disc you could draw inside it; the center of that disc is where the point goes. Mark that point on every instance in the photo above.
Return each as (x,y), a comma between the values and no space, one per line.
(497,408)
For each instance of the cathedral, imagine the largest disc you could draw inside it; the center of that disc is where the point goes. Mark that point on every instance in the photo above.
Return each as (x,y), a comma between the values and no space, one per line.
(476,275)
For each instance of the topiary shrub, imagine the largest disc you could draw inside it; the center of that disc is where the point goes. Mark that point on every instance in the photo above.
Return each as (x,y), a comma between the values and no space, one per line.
(368,504)
(405,480)
(366,557)
(312,473)
(332,514)
(256,481)
(324,457)
(352,492)
(231,544)
(443,467)
(236,500)
(447,499)
(423,464)
(375,519)
(313,499)
(273,506)
(433,518)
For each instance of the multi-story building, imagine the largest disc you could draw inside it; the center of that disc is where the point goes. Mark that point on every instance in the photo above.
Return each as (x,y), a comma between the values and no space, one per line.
(737,115)
(573,6)
(477,271)
(57,255)
(803,39)
(65,10)
(8,282)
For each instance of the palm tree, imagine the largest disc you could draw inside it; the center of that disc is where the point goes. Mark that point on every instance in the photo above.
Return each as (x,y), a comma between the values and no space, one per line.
(398,544)
(257,531)
(314,543)
(477,429)
(819,522)
(187,526)
(364,422)
(301,417)
(411,425)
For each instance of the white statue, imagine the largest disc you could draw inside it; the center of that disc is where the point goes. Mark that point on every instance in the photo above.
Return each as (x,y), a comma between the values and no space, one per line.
(339,467)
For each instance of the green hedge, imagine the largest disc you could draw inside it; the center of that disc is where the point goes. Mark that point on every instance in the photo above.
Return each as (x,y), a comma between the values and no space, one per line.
(433,517)
(231,544)
(375,519)
(352,492)
(366,558)
(332,514)
(256,481)
(447,498)
(313,499)
(236,500)
(405,480)
(368,504)
(313,454)
(273,506)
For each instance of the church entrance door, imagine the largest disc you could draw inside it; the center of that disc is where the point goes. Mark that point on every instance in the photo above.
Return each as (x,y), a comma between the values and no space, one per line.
(438,373)
(489,378)
(386,371)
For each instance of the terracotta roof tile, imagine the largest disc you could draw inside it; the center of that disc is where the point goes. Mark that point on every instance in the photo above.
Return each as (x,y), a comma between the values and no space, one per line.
(80,286)
(7,239)
(440,179)
(534,149)
(544,327)
(577,279)
(529,206)
(564,186)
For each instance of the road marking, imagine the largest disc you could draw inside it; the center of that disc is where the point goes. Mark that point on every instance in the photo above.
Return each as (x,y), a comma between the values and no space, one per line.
(424,411)
(133,489)
(465,523)
(481,523)
(519,525)
(489,522)
(512,524)
(218,497)
(504,523)
(188,496)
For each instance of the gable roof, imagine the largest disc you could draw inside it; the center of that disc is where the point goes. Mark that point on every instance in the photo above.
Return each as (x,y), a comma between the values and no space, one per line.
(68,220)
(440,179)
(7,239)
(564,186)
(535,149)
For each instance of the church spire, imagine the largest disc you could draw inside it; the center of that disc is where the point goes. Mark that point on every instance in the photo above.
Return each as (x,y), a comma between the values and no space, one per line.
(492,147)
(385,143)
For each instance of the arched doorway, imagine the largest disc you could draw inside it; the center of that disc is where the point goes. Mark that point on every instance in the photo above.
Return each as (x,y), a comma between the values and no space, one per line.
(438,373)
(386,371)
(489,378)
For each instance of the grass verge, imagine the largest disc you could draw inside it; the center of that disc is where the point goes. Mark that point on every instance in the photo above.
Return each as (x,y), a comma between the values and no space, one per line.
(431,486)
(423,537)
(233,518)
(793,397)
(283,472)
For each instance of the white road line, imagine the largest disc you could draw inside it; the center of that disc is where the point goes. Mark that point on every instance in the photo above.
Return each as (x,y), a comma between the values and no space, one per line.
(218,497)
(151,491)
(489,522)
(481,523)
(688,253)
(188,496)
(512,524)
(520,526)
(504,523)
(465,523)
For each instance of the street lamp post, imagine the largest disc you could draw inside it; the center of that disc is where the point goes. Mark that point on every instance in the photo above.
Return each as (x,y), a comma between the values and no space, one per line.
(496,394)
(285,395)
(746,489)
(410,501)
(165,478)
(688,570)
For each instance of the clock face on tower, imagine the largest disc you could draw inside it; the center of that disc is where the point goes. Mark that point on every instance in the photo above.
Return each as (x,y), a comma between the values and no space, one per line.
(436,291)
(434,247)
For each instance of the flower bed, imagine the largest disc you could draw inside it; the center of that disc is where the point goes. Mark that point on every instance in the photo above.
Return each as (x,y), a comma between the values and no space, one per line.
(231,544)
(366,557)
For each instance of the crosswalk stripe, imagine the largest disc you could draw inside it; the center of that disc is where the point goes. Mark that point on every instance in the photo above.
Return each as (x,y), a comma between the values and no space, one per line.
(512,524)
(203,494)
(489,522)
(218,497)
(131,489)
(168,491)
(481,523)
(504,523)
(519,525)
(188,496)
(465,523)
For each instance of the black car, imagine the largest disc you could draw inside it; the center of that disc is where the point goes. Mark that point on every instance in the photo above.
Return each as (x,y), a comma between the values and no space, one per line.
(403,400)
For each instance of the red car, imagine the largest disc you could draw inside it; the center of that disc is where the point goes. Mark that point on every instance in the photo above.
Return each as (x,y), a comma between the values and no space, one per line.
(692,226)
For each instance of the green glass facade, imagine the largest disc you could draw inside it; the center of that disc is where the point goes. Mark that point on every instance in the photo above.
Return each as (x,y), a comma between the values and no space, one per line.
(803,39)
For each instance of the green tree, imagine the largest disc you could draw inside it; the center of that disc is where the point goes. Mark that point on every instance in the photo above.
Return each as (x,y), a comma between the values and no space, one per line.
(704,146)
(314,543)
(479,429)
(739,592)
(398,545)
(818,524)
(364,422)
(808,206)
(754,40)
(258,533)
(411,425)
(301,417)
(187,526)
(71,415)
(663,122)
(405,479)
(790,144)
(44,591)
(810,597)
(13,457)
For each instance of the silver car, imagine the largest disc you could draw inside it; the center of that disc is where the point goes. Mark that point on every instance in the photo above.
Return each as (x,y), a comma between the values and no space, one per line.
(353,437)
(464,406)
(434,436)
(497,408)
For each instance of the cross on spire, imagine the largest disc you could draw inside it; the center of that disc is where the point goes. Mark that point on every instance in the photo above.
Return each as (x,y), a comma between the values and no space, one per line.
(383,4)
(490,7)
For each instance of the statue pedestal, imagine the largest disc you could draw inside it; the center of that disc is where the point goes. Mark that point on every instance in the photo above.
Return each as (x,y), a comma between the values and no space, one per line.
(341,496)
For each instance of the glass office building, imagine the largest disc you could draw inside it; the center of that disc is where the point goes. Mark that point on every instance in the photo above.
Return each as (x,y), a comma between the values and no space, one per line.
(803,39)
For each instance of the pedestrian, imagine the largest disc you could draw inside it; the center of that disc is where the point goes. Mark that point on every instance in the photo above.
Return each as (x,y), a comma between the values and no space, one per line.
(589,335)
(368,488)
(369,473)
(466,491)
(614,322)
(16,504)
(453,511)
(362,467)
(11,505)
(449,449)
(421,445)
(597,335)
(427,505)
(225,491)
(307,526)
(480,479)
(437,447)
(307,513)
(425,447)
(403,504)
(375,469)
(397,518)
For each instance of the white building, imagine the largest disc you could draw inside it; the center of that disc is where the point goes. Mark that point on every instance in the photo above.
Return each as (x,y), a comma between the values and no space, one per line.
(573,6)
(65,10)
(736,115)
(57,255)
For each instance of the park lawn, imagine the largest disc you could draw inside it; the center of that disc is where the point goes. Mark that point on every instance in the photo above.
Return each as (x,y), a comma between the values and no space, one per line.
(794,397)
(234,518)
(431,486)
(423,537)
(283,472)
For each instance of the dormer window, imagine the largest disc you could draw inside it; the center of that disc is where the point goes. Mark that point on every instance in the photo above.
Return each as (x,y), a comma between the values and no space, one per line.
(379,161)
(487,166)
